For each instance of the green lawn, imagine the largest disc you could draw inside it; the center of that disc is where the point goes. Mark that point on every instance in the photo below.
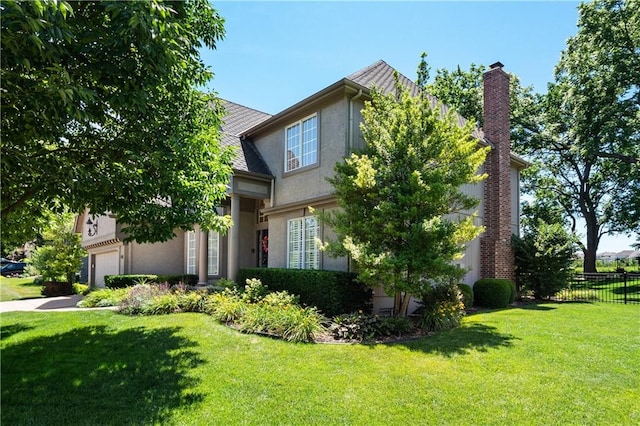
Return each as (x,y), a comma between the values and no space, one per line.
(543,364)
(18,288)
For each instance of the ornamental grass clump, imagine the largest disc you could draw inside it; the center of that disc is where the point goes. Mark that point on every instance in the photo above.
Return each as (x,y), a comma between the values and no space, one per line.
(103,297)
(254,310)
(139,298)
(226,306)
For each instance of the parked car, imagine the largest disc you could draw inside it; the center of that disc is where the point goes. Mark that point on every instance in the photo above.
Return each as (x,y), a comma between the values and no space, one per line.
(13,269)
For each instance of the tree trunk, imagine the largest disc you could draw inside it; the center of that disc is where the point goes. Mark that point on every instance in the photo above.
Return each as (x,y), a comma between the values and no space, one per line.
(401,304)
(397,303)
(589,263)
(591,249)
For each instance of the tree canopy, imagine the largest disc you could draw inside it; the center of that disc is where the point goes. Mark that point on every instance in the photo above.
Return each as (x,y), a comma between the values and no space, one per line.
(403,217)
(588,153)
(583,135)
(100,109)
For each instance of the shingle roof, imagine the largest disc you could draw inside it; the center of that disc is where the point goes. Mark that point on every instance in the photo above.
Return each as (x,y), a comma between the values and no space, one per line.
(237,119)
(380,75)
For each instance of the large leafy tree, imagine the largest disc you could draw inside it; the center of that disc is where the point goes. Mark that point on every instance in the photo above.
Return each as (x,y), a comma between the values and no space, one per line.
(583,135)
(403,218)
(588,152)
(463,90)
(100,109)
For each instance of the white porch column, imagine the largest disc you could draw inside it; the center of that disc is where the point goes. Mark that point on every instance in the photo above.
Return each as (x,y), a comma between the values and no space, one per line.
(234,239)
(203,256)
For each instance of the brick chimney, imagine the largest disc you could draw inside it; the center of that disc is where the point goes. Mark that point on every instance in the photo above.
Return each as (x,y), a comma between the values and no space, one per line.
(495,244)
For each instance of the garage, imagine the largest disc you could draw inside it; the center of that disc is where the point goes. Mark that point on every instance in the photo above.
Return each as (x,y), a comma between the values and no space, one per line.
(105,264)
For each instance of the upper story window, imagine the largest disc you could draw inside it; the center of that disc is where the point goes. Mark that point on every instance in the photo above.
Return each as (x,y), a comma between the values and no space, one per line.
(301,144)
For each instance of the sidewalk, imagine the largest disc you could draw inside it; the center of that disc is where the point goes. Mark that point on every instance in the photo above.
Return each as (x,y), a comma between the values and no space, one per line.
(44,304)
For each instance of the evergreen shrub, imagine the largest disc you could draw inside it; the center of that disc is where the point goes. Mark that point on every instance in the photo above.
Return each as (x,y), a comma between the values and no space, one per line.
(332,292)
(493,292)
(121,281)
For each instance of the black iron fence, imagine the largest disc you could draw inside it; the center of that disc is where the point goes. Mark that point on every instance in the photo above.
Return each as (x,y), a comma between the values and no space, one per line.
(603,287)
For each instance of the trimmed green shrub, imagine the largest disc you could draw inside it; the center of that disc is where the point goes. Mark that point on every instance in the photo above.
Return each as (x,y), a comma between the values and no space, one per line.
(332,292)
(467,295)
(121,281)
(190,280)
(493,292)
(512,295)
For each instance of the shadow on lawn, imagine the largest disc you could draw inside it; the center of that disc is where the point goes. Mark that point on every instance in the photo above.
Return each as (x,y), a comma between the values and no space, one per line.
(93,376)
(9,330)
(460,341)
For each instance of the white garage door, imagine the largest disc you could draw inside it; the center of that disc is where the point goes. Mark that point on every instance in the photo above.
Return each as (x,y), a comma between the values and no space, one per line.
(106,264)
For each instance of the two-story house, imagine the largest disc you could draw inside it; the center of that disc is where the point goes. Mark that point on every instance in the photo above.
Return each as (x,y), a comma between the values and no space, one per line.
(280,171)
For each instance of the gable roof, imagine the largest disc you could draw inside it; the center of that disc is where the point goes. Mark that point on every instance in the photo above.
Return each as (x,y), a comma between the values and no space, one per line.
(237,119)
(379,75)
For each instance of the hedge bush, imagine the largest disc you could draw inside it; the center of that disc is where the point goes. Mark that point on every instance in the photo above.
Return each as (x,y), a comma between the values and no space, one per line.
(332,292)
(493,292)
(122,281)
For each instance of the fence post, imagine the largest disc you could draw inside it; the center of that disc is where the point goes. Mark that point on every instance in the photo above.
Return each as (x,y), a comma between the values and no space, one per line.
(624,275)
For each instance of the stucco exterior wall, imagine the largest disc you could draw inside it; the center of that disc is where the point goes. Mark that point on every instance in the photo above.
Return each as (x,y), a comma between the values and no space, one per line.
(157,258)
(106,229)
(308,182)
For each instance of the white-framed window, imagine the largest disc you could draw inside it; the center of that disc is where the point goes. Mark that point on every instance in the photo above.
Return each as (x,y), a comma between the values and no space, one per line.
(191,252)
(301,144)
(213,255)
(302,251)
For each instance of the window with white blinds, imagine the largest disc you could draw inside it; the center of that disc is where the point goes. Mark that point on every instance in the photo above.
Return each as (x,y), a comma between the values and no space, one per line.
(301,244)
(191,252)
(213,256)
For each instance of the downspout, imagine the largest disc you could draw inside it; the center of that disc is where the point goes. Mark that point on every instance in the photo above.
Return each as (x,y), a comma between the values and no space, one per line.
(273,193)
(351,132)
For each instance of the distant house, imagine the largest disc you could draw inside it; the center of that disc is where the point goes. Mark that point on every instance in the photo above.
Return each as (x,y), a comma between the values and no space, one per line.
(280,171)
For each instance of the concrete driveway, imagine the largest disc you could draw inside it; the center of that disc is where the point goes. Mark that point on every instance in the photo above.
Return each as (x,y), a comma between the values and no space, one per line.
(44,304)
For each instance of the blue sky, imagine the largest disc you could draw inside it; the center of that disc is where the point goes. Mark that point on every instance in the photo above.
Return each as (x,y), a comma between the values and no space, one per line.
(277,53)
